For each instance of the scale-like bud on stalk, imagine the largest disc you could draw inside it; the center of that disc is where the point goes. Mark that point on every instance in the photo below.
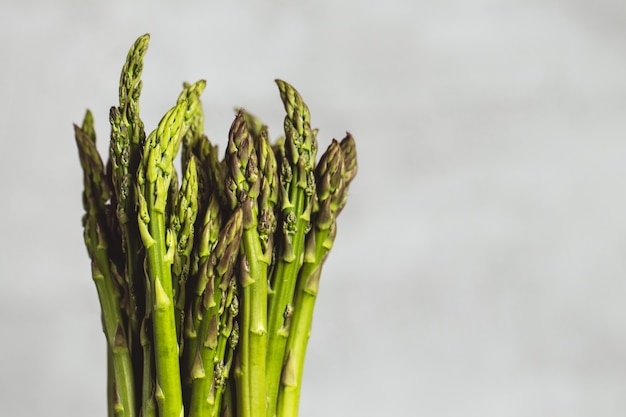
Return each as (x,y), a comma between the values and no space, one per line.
(348,148)
(195,119)
(209,232)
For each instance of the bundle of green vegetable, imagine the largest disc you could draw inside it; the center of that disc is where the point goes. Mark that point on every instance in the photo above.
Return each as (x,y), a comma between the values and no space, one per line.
(207,284)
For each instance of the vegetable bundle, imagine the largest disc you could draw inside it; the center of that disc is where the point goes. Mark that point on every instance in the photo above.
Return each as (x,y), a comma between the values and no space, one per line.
(207,282)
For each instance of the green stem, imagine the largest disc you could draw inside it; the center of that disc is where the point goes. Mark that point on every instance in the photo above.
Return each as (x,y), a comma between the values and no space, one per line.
(207,241)
(110,385)
(308,285)
(243,189)
(242,366)
(281,308)
(95,195)
(124,387)
(289,395)
(213,306)
(201,385)
(154,178)
(251,395)
(148,406)
(297,193)
(169,390)
(255,347)
(228,339)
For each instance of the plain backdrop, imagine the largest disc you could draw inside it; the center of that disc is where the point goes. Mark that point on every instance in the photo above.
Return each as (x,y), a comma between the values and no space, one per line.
(480,265)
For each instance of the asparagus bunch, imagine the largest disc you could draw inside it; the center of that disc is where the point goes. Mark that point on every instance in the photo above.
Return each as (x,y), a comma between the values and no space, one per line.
(207,284)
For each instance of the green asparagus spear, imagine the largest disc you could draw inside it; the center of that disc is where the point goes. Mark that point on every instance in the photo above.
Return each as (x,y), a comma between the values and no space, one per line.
(212,309)
(153,180)
(96,193)
(127,137)
(208,236)
(211,197)
(243,189)
(334,172)
(297,202)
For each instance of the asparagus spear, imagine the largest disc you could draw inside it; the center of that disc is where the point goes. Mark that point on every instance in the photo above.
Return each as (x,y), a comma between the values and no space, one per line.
(208,239)
(211,179)
(213,311)
(297,191)
(96,193)
(127,137)
(335,171)
(208,225)
(243,190)
(153,180)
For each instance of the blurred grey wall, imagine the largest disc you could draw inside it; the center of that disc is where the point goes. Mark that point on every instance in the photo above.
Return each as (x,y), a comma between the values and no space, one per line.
(480,266)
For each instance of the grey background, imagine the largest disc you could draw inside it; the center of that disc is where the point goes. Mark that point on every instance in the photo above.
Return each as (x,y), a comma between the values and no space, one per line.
(480,264)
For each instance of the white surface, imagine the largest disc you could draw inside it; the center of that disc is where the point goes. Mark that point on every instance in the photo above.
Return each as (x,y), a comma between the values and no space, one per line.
(480,267)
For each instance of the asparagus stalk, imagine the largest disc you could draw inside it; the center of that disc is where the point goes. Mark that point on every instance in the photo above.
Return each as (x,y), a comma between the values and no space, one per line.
(243,190)
(334,172)
(228,408)
(153,179)
(148,386)
(210,202)
(298,159)
(213,309)
(208,239)
(127,137)
(96,193)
